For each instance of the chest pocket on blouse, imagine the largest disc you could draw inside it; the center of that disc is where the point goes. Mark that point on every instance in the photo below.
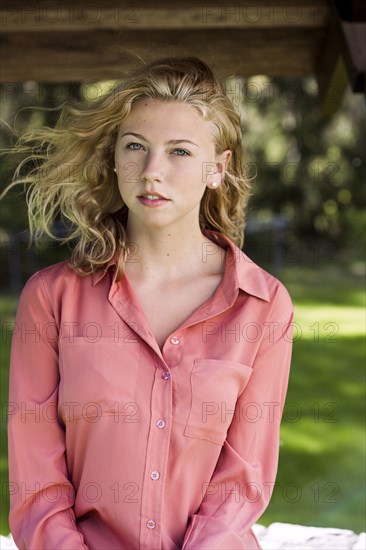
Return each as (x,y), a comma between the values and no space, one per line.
(98,379)
(215,387)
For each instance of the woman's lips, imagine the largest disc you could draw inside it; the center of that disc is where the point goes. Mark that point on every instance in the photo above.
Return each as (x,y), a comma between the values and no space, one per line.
(152,202)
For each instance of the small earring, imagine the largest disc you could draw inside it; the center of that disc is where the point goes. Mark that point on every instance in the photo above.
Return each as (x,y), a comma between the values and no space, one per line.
(115,169)
(214,184)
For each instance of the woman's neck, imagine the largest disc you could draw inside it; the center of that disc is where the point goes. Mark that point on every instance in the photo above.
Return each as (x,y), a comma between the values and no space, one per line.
(162,254)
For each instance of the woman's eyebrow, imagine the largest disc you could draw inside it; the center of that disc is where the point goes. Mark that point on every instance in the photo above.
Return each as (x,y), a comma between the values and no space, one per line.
(170,142)
(133,134)
(174,141)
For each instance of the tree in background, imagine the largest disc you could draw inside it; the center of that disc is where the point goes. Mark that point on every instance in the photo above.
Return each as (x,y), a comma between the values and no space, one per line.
(310,167)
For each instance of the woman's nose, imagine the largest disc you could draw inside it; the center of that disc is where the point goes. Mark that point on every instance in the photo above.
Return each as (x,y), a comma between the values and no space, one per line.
(153,168)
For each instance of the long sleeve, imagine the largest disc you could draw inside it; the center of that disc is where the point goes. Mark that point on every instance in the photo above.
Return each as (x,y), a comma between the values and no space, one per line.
(241,486)
(41,496)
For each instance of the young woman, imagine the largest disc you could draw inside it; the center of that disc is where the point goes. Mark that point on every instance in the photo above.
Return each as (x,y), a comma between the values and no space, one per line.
(149,371)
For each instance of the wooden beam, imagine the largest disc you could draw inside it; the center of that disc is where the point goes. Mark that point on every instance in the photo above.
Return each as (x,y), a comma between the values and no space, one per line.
(331,96)
(330,70)
(343,56)
(351,10)
(57,15)
(89,56)
(353,47)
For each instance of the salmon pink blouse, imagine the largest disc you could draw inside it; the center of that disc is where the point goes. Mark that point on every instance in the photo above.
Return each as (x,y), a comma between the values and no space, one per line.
(115,444)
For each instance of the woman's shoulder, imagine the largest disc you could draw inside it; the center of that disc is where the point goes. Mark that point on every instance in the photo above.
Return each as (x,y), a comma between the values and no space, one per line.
(264,283)
(55,276)
(252,278)
(53,271)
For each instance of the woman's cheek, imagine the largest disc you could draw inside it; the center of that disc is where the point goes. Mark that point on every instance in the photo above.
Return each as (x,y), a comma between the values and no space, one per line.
(128,172)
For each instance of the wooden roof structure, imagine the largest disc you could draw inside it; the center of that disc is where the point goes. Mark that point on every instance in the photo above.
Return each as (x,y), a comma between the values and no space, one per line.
(84,40)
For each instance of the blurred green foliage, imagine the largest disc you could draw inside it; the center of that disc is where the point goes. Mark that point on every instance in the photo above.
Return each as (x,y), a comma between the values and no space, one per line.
(309,167)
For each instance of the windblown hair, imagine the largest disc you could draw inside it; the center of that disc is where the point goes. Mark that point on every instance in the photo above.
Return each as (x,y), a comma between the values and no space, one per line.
(72,174)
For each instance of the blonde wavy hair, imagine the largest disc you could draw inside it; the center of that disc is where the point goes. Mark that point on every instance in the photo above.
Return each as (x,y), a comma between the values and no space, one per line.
(73,163)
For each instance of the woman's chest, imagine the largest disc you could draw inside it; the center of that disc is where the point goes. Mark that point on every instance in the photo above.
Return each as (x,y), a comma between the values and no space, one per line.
(167,308)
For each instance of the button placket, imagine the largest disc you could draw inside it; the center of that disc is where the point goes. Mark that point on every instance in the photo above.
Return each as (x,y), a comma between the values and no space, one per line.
(156,457)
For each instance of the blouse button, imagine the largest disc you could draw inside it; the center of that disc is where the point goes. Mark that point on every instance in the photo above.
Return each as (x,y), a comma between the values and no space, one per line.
(150,524)
(175,340)
(166,375)
(160,424)
(154,475)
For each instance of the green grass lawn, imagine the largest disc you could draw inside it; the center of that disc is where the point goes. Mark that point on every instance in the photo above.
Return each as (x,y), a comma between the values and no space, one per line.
(321,475)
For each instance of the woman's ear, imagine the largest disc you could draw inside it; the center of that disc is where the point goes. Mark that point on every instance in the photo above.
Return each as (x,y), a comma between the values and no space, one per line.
(223,161)
(218,175)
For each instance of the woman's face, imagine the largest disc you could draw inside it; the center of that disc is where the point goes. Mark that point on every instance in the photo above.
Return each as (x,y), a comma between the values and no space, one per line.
(165,158)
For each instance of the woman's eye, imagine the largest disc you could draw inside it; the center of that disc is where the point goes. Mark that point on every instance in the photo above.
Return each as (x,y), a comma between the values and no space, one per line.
(182,152)
(133,147)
